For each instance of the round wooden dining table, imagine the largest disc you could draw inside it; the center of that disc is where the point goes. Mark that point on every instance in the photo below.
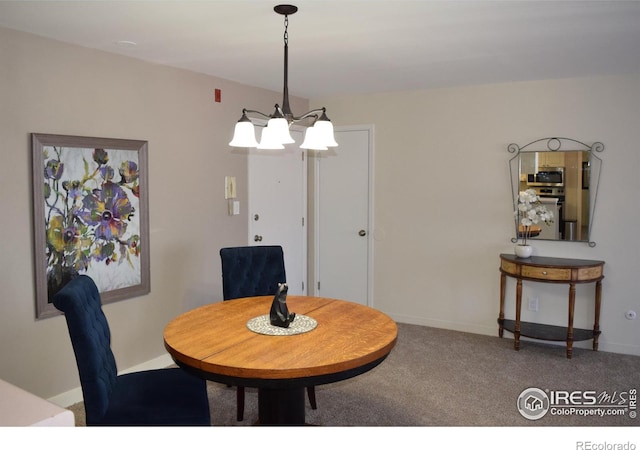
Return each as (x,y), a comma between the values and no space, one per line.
(215,343)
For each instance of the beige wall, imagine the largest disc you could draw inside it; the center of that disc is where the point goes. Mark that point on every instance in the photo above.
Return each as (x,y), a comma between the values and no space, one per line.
(49,87)
(443,201)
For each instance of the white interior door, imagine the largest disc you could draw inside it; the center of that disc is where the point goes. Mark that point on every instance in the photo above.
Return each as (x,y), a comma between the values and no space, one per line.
(278,204)
(344,217)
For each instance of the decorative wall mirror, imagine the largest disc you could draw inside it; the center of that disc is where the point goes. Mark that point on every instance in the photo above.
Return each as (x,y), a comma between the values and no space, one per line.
(565,174)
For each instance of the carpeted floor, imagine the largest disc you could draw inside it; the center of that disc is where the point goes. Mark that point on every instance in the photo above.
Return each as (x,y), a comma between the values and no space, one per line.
(436,377)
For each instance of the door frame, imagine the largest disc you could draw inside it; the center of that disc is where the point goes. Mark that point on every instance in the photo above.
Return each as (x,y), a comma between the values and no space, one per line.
(370,226)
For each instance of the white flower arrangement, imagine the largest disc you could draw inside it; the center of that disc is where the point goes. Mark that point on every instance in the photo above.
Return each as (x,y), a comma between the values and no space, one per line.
(531,211)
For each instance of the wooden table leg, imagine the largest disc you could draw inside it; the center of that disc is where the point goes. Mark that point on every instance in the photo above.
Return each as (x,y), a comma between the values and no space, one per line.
(516,331)
(503,281)
(281,406)
(572,303)
(596,323)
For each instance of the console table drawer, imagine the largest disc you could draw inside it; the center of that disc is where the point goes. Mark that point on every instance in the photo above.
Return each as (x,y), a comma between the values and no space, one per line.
(545,273)
(509,267)
(589,273)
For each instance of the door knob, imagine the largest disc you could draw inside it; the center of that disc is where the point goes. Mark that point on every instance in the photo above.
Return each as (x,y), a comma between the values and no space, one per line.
(257,238)
(362,233)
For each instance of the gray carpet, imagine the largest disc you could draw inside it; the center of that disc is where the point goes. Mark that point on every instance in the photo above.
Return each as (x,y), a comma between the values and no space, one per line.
(436,377)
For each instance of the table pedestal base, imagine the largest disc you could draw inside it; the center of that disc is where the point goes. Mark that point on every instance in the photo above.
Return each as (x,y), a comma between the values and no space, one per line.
(281,406)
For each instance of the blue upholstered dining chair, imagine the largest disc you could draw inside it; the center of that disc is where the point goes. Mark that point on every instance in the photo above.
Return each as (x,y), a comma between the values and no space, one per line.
(250,272)
(161,397)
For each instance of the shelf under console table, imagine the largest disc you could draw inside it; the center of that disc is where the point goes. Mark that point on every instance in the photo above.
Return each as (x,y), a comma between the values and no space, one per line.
(550,270)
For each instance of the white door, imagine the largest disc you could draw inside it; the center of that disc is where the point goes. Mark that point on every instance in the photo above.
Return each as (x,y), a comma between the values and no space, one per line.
(278,204)
(344,217)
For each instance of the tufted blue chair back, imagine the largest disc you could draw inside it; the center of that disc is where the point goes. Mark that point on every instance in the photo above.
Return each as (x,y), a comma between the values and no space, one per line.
(91,339)
(251,271)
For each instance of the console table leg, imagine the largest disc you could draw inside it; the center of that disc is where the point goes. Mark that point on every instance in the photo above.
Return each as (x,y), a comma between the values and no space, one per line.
(596,323)
(503,281)
(516,331)
(572,303)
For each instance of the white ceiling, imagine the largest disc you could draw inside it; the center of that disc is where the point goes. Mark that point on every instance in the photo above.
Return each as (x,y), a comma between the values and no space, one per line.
(353,46)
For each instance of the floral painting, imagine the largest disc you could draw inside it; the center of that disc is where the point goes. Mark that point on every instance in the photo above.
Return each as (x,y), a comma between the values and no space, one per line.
(90,203)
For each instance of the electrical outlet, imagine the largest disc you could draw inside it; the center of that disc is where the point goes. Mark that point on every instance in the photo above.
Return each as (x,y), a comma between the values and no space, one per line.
(234,207)
(533,303)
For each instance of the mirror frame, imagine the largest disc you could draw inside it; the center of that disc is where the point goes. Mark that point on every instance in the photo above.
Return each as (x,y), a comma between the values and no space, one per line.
(557,144)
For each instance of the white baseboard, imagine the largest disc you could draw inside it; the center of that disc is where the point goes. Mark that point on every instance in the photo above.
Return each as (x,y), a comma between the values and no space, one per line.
(75,395)
(603,345)
(446,324)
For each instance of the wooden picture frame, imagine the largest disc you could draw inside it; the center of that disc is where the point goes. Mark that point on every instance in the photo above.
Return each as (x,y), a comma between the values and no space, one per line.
(91,216)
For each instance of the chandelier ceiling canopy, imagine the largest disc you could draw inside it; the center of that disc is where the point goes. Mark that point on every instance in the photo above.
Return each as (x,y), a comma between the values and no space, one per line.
(319,132)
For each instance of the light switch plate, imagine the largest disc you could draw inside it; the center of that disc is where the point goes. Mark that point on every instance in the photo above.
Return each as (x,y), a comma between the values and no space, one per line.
(229,187)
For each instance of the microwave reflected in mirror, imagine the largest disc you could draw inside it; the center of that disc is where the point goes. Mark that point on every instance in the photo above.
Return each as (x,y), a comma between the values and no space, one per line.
(547,176)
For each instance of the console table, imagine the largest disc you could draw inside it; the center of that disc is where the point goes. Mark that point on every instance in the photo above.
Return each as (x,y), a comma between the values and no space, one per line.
(550,270)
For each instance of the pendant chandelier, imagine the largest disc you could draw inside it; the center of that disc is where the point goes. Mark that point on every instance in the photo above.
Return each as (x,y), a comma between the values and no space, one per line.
(319,134)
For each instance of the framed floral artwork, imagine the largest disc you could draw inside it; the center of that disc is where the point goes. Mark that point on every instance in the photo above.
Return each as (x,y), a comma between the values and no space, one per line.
(91,216)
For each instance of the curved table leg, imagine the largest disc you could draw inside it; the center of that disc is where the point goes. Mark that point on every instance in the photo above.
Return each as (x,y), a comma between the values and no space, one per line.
(516,331)
(503,281)
(596,324)
(281,406)
(572,304)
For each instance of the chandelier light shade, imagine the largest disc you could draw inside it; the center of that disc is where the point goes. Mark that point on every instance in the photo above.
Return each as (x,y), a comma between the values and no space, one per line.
(271,140)
(319,134)
(244,134)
